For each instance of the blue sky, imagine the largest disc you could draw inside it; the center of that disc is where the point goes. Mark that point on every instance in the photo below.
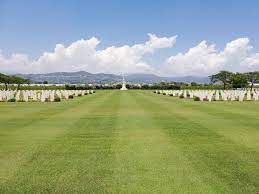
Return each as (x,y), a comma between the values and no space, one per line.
(34,27)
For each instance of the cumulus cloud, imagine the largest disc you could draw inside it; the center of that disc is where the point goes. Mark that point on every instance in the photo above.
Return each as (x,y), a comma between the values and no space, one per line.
(251,61)
(84,55)
(17,62)
(205,59)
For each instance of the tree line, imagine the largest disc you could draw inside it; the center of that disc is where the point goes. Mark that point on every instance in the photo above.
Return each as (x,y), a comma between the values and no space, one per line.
(220,80)
(235,80)
(8,79)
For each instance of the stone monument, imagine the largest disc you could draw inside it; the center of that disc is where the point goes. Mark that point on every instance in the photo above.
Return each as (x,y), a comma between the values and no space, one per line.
(123,84)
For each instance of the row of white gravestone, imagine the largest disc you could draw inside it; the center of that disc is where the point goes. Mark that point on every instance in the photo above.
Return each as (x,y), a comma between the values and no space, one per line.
(214,95)
(40,95)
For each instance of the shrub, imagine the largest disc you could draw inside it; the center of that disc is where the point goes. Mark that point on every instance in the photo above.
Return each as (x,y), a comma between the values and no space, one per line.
(47,100)
(154,91)
(12,100)
(70,96)
(181,96)
(164,93)
(93,91)
(171,95)
(196,98)
(57,99)
(79,94)
(158,92)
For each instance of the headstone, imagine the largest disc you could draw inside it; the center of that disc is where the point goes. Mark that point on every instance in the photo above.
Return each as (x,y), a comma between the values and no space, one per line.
(248,95)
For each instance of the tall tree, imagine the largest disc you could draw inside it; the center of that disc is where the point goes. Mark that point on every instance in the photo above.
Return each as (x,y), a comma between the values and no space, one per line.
(12,80)
(225,77)
(18,81)
(5,79)
(252,77)
(239,80)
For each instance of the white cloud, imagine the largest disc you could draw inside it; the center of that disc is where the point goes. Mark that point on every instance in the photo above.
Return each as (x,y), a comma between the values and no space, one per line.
(16,62)
(80,55)
(83,55)
(204,59)
(251,62)
(130,58)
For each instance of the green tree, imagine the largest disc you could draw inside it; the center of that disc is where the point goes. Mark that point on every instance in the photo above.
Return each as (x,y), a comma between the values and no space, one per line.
(118,86)
(239,80)
(12,80)
(225,77)
(194,84)
(18,81)
(252,77)
(5,79)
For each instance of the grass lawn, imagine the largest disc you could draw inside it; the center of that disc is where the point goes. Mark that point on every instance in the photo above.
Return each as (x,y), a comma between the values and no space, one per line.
(129,142)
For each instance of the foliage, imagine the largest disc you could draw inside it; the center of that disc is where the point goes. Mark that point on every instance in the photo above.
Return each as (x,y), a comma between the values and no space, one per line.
(252,77)
(34,87)
(225,77)
(239,80)
(118,86)
(235,80)
(220,80)
(57,99)
(196,98)
(12,100)
(6,79)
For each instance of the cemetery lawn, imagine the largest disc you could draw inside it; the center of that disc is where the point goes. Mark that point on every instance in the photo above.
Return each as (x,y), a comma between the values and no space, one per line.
(129,142)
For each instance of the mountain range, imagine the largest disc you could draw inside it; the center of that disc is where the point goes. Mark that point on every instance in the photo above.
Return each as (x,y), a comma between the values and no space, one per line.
(86,77)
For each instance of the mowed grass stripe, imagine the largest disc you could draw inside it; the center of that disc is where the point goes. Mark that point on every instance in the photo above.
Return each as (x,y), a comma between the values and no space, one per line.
(88,151)
(225,118)
(146,160)
(129,142)
(31,140)
(230,166)
(36,125)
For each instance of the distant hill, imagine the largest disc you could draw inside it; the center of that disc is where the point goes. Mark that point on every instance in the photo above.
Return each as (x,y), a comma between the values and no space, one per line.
(72,77)
(86,77)
(189,79)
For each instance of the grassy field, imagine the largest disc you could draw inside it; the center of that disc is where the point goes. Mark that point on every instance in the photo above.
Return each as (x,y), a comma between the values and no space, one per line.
(129,142)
